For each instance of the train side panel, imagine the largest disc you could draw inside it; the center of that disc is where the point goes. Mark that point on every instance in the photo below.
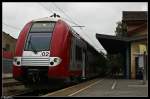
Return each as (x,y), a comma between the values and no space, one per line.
(76,57)
(60,47)
(85,61)
(17,71)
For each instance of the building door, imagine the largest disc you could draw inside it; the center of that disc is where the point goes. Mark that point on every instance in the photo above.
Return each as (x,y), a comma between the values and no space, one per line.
(139,63)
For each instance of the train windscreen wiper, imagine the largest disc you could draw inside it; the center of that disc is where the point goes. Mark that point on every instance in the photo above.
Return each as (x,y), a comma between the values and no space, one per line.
(32,47)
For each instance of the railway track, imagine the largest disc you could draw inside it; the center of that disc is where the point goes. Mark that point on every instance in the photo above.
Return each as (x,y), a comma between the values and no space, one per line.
(52,88)
(11,87)
(10,82)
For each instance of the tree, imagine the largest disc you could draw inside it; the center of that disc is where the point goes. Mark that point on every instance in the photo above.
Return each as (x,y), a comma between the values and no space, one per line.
(121,29)
(115,63)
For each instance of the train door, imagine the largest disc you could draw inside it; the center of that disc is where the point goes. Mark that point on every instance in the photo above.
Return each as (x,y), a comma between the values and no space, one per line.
(83,65)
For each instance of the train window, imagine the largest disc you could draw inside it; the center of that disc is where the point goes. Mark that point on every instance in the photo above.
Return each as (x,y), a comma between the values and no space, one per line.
(78,53)
(42,27)
(7,47)
(39,36)
(38,42)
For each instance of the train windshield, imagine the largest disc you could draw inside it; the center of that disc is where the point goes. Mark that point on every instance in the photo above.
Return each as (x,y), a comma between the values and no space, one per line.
(39,36)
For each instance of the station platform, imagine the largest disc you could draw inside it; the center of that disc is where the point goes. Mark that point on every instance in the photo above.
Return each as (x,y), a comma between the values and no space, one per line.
(6,75)
(105,88)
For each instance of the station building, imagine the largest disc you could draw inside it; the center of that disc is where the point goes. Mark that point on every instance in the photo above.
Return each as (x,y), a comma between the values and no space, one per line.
(133,47)
(8,42)
(8,49)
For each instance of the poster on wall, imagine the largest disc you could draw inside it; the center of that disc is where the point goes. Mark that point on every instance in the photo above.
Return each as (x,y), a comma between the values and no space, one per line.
(141,62)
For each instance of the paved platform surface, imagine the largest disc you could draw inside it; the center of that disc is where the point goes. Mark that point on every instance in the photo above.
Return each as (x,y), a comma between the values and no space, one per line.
(116,88)
(105,88)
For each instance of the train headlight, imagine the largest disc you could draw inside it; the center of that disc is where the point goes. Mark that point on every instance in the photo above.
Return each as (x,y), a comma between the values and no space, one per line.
(57,60)
(17,61)
(54,61)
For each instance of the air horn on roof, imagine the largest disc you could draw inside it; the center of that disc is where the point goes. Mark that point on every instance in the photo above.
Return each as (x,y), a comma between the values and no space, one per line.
(55,15)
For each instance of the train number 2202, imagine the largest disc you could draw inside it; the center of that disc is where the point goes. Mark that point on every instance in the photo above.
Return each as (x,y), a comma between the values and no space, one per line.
(45,53)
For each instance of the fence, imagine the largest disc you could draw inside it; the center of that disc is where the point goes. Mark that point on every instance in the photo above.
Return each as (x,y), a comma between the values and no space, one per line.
(7,61)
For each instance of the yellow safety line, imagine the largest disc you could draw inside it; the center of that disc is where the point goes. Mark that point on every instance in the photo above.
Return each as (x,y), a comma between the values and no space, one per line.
(85,88)
(59,91)
(114,84)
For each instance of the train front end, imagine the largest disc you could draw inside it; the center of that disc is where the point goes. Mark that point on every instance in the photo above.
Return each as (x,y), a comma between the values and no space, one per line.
(33,56)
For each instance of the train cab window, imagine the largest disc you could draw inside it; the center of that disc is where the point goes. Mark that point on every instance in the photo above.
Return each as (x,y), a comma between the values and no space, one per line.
(39,37)
(38,42)
(78,53)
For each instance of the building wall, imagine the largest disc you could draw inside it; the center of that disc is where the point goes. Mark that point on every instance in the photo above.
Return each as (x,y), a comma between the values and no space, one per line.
(135,50)
(8,46)
(141,32)
(8,42)
(135,47)
(136,28)
(136,22)
(138,32)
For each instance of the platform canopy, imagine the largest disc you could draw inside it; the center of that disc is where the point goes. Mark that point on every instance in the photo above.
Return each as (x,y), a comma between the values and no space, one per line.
(112,44)
(115,44)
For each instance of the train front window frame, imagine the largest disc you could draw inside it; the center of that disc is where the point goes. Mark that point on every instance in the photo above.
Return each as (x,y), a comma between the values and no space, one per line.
(42,27)
(39,33)
(37,41)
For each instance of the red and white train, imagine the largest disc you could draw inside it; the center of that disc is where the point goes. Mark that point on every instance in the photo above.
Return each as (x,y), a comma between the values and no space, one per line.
(48,48)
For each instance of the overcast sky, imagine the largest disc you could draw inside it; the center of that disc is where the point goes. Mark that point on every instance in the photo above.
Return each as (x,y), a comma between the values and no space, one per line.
(100,17)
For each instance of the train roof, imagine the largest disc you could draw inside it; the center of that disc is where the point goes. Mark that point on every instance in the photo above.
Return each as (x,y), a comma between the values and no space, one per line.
(55,20)
(77,32)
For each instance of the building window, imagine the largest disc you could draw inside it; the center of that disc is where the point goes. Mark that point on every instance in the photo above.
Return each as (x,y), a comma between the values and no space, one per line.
(7,47)
(78,53)
(142,48)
